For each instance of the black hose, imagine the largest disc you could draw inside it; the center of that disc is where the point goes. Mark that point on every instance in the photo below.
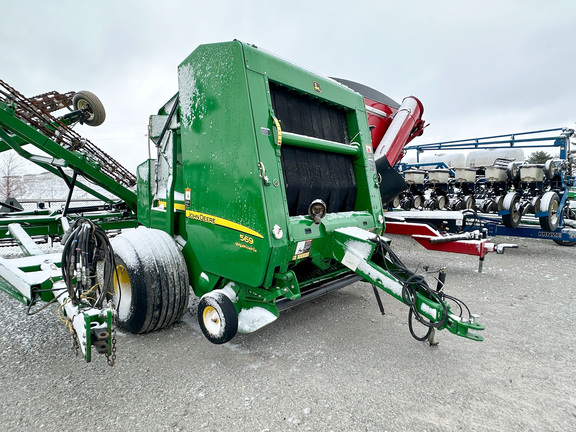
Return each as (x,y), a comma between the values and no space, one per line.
(413,284)
(419,338)
(86,246)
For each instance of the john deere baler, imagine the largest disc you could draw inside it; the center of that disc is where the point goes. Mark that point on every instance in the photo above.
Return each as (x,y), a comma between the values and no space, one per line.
(266,176)
(266,191)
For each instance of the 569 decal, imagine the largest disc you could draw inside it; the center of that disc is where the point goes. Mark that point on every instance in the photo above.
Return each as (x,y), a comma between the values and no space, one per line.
(246,239)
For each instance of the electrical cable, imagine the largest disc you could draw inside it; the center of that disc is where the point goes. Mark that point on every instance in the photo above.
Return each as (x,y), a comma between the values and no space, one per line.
(29,312)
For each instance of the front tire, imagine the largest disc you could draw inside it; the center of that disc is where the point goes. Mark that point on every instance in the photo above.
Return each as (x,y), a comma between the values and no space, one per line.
(217,317)
(151,287)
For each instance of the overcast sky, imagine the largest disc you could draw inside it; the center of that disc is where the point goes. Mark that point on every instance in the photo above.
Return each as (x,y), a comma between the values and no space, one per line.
(480,67)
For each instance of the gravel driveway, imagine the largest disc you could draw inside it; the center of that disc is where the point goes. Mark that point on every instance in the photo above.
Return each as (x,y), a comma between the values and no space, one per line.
(333,364)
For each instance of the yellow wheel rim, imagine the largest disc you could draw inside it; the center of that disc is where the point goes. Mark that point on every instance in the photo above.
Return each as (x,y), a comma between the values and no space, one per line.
(122,291)
(212,321)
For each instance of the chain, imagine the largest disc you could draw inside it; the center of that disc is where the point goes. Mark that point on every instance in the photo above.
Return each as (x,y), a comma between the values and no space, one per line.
(111,359)
(75,344)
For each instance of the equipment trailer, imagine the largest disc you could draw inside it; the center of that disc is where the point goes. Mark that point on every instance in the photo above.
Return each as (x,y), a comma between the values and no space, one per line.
(266,192)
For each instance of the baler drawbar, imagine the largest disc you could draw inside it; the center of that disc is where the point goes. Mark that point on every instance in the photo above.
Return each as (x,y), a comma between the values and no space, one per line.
(266,191)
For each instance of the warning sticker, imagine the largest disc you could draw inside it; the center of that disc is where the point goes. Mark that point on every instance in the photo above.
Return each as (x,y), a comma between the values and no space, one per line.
(302,249)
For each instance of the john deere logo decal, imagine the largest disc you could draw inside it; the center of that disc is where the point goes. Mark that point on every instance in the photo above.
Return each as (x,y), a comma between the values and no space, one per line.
(316,86)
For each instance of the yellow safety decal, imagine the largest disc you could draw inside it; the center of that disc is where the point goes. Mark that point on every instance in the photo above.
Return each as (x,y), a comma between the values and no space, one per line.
(279,129)
(215,220)
(177,206)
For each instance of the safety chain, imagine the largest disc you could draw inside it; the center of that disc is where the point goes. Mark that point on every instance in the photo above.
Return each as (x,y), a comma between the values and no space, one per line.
(111,359)
(75,344)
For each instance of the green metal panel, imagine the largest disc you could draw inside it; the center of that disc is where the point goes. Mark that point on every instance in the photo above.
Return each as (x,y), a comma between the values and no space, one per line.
(231,160)
(226,217)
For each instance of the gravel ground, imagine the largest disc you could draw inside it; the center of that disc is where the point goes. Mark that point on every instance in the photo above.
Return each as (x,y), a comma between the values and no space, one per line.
(333,364)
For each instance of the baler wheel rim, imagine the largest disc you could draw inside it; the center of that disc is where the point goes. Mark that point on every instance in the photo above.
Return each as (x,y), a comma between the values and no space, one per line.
(212,320)
(122,291)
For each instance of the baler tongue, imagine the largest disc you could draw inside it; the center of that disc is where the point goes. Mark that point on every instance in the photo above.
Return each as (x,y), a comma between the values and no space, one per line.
(369,255)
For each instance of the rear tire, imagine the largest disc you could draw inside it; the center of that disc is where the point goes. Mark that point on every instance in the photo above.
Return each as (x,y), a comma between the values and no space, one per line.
(151,287)
(417,201)
(88,102)
(469,202)
(442,202)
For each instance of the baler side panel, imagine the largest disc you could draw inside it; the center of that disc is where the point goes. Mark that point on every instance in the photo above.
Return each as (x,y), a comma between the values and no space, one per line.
(226,216)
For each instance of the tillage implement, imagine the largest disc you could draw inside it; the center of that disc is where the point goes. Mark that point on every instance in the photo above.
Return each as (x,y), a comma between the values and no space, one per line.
(266,191)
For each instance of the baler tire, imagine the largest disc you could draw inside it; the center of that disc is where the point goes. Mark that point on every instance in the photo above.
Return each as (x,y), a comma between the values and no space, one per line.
(217,317)
(89,102)
(550,202)
(151,287)
(510,202)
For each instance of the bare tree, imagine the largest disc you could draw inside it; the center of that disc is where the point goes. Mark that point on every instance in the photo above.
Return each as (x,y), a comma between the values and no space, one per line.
(11,165)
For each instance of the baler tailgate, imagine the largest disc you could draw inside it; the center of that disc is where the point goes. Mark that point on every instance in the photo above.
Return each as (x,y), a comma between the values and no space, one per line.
(369,256)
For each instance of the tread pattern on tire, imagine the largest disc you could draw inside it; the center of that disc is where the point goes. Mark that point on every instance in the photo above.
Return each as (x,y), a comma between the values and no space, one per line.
(158,279)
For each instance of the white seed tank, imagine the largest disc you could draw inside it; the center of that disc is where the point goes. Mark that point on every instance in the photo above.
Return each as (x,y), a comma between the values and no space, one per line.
(485,158)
